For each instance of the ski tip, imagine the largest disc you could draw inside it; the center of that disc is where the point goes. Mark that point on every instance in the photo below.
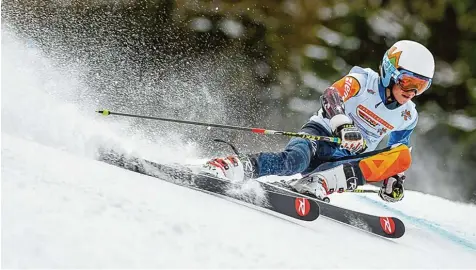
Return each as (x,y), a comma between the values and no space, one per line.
(104,112)
(392,227)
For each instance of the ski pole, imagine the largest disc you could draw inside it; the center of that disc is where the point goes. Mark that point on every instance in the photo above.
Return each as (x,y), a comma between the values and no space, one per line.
(362,191)
(254,130)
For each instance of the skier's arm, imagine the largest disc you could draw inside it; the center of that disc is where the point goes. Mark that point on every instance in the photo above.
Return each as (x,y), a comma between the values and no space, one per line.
(332,104)
(392,189)
(334,96)
(402,136)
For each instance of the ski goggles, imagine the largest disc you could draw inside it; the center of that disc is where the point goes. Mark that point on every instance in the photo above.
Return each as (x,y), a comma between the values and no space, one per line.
(409,81)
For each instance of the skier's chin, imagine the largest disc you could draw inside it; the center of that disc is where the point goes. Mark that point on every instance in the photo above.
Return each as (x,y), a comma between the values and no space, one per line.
(402,99)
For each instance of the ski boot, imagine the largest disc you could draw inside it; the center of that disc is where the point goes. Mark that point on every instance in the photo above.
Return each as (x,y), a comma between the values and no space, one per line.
(323,183)
(234,168)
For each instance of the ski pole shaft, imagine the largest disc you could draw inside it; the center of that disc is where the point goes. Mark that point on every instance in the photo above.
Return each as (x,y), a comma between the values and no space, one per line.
(363,191)
(360,191)
(254,130)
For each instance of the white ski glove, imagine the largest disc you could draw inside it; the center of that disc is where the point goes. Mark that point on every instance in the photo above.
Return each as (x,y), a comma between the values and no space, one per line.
(352,139)
(392,189)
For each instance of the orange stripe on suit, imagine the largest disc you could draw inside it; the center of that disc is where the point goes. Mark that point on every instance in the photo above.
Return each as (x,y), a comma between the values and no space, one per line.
(386,164)
(347,87)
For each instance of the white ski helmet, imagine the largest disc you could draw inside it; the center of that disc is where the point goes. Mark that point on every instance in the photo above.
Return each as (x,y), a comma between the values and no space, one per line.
(408,63)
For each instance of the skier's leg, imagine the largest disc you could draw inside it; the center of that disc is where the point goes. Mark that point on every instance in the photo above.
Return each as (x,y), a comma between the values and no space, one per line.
(386,164)
(295,158)
(298,156)
(292,160)
(348,174)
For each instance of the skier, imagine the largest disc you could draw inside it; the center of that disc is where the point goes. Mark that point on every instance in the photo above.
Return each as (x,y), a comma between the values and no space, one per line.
(361,108)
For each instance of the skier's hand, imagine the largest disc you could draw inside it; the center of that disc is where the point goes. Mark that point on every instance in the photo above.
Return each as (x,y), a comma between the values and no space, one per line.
(392,189)
(352,139)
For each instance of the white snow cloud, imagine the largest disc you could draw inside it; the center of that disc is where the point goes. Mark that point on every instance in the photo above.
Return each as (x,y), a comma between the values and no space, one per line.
(201,24)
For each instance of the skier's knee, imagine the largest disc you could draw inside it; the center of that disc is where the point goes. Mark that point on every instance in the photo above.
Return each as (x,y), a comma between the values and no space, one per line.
(295,162)
(386,164)
(297,156)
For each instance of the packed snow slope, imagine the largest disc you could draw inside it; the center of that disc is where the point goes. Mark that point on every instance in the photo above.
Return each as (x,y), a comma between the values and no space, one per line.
(63,209)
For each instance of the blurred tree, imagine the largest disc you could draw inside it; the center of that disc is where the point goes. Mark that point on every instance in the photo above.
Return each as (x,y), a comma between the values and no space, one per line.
(293,48)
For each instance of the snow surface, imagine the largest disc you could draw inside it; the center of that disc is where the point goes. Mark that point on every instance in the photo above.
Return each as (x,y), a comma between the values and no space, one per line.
(63,209)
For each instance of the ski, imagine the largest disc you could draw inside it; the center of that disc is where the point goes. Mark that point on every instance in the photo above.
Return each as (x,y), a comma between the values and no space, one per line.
(388,227)
(292,205)
(280,199)
(176,174)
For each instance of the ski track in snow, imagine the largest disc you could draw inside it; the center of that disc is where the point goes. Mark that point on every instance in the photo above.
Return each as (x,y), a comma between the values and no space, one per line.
(63,209)
(465,237)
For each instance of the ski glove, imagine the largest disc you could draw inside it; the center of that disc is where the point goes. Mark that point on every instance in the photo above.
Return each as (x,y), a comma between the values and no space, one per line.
(392,189)
(352,139)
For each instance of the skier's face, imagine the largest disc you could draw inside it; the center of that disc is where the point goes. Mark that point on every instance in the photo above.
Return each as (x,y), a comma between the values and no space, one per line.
(401,95)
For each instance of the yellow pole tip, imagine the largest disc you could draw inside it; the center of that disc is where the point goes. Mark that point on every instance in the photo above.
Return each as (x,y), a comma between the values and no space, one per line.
(103,112)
